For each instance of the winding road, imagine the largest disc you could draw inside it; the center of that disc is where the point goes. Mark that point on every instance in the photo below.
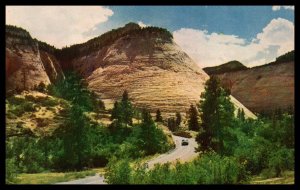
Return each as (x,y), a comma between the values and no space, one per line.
(181,153)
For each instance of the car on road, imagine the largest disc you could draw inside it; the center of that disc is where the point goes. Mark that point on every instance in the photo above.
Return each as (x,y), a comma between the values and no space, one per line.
(184,142)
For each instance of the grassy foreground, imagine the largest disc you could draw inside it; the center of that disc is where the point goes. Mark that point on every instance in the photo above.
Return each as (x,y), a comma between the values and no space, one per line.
(50,178)
(288,177)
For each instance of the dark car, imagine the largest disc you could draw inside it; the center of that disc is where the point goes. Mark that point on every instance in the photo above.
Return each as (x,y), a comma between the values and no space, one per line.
(184,142)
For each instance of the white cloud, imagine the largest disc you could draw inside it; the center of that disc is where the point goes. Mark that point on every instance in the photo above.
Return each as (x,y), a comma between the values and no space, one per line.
(289,7)
(277,8)
(143,25)
(58,25)
(211,49)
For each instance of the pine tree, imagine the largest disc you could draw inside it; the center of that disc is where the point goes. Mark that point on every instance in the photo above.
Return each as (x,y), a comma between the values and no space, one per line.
(217,114)
(123,111)
(75,140)
(238,113)
(178,119)
(125,97)
(158,116)
(193,119)
(172,124)
(115,111)
(151,138)
(242,115)
(146,117)
(127,109)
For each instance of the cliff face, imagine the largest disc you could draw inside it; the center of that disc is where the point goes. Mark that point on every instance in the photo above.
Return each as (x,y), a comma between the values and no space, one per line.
(144,61)
(264,88)
(153,69)
(27,65)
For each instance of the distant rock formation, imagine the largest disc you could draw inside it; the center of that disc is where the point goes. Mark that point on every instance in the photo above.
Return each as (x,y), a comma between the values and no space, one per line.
(225,68)
(263,89)
(27,65)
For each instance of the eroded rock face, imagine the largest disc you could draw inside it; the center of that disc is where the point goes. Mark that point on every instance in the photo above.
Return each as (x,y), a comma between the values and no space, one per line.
(153,69)
(147,63)
(27,65)
(263,89)
(156,73)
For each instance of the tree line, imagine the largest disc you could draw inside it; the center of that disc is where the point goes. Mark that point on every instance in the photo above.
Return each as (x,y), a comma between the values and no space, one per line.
(232,148)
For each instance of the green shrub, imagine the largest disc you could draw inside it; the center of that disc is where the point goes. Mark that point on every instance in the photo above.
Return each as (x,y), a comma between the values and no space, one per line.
(268,173)
(23,107)
(28,107)
(210,168)
(281,160)
(10,170)
(15,100)
(220,170)
(161,174)
(118,172)
(17,111)
(139,175)
(50,102)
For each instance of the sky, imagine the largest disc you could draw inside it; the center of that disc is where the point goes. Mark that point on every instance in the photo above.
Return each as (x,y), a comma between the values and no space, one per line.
(210,35)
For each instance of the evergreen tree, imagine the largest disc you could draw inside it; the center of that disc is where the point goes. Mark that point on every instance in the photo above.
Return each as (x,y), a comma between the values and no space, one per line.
(149,139)
(178,119)
(146,117)
(115,111)
(123,111)
(172,124)
(193,119)
(243,115)
(238,113)
(217,114)
(126,109)
(75,140)
(158,116)
(125,97)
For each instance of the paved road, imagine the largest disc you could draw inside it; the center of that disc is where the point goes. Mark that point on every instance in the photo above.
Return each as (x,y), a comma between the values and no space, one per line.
(183,153)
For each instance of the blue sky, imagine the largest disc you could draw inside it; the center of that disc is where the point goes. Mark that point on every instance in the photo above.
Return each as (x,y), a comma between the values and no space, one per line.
(210,35)
(243,21)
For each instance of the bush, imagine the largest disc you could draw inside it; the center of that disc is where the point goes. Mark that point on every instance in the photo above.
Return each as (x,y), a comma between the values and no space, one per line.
(22,108)
(210,168)
(15,100)
(50,102)
(118,172)
(220,170)
(10,170)
(139,175)
(281,160)
(28,107)
(161,174)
